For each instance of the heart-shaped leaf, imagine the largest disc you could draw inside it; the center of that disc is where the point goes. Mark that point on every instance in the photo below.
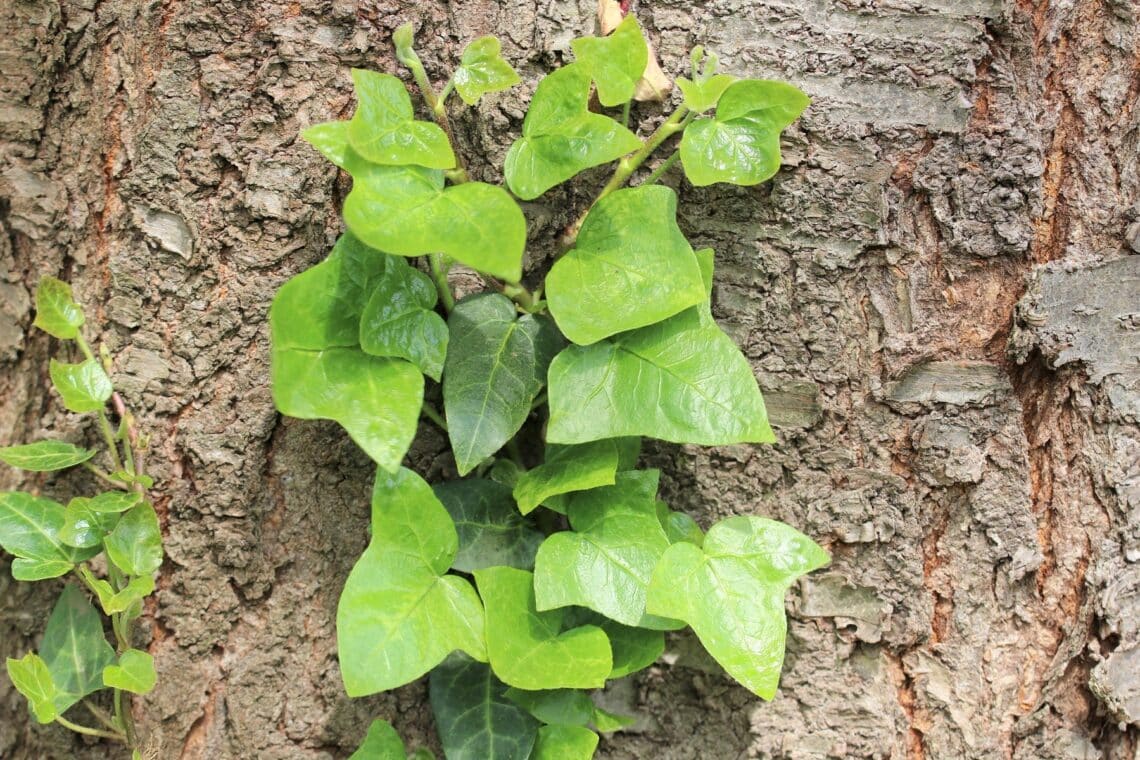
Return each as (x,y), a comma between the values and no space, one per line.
(381,743)
(74,648)
(57,313)
(731,592)
(474,718)
(135,545)
(704,94)
(134,672)
(84,387)
(31,677)
(631,267)
(482,70)
(616,62)
(567,469)
(491,531)
(741,144)
(562,742)
(398,320)
(561,137)
(331,139)
(30,529)
(400,614)
(113,601)
(84,527)
(527,648)
(384,129)
(45,456)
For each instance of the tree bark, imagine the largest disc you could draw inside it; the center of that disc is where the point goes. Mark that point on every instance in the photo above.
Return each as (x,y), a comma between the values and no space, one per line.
(940,294)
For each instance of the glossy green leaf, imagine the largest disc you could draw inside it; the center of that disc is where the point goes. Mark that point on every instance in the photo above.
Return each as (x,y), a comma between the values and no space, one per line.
(384,129)
(527,648)
(84,527)
(31,677)
(406,210)
(731,592)
(607,722)
(113,602)
(57,313)
(30,529)
(74,648)
(398,320)
(400,614)
(606,561)
(39,569)
(741,144)
(701,96)
(571,707)
(45,456)
(491,531)
(84,387)
(482,70)
(633,648)
(135,545)
(615,62)
(567,469)
(474,718)
(495,367)
(560,742)
(331,139)
(114,501)
(134,672)
(631,267)
(381,743)
(679,526)
(561,137)
(681,380)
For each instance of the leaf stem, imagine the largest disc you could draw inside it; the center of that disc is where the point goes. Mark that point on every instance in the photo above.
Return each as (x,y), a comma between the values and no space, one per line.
(625,113)
(109,438)
(124,718)
(105,476)
(433,414)
(101,715)
(406,54)
(439,266)
(665,166)
(117,736)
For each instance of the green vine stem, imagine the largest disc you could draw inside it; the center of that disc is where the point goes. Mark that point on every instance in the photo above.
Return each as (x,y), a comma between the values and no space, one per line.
(665,166)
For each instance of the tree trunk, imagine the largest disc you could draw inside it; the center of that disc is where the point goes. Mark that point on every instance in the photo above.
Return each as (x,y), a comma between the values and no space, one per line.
(940,295)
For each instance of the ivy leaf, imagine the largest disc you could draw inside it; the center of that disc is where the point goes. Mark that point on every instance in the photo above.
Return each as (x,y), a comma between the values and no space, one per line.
(731,592)
(400,614)
(74,648)
(384,129)
(398,319)
(634,649)
(31,678)
(134,672)
(571,707)
(39,569)
(741,144)
(29,530)
(482,70)
(561,137)
(491,531)
(114,501)
(84,387)
(561,742)
(607,722)
(494,370)
(135,545)
(57,313)
(679,526)
(703,95)
(406,210)
(631,267)
(606,561)
(475,720)
(113,601)
(84,527)
(682,380)
(566,469)
(525,646)
(381,743)
(615,62)
(331,139)
(45,456)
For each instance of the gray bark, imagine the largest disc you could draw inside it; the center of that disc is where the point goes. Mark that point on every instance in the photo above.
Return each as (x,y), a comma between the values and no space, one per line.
(939,294)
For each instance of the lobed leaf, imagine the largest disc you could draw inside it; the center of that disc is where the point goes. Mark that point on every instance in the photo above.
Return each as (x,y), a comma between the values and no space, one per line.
(134,672)
(616,62)
(482,70)
(57,313)
(633,648)
(31,678)
(84,387)
(474,718)
(135,545)
(491,531)
(561,742)
(567,469)
(384,130)
(74,648)
(399,320)
(702,95)
(45,456)
(39,569)
(113,602)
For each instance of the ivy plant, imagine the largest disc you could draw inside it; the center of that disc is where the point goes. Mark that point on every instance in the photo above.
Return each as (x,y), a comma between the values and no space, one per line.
(110,543)
(549,566)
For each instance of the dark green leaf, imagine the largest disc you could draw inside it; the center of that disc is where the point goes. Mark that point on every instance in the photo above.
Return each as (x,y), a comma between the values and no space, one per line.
(631,267)
(474,718)
(634,649)
(398,320)
(45,456)
(527,648)
(570,707)
(134,672)
(84,527)
(482,70)
(135,545)
(331,139)
(732,593)
(381,743)
(57,313)
(84,387)
(491,531)
(615,62)
(31,678)
(30,528)
(400,614)
(566,469)
(384,129)
(74,648)
(565,743)
(561,137)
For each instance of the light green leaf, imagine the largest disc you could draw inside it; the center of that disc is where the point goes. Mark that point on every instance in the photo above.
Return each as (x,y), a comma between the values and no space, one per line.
(634,649)
(527,648)
(681,380)
(384,129)
(57,313)
(405,210)
(398,320)
(84,387)
(84,527)
(114,501)
(134,672)
(741,144)
(567,469)
(571,707)
(30,528)
(631,267)
(31,678)
(39,569)
(615,62)
(482,70)
(474,718)
(606,561)
(331,139)
(381,743)
(114,602)
(491,531)
(45,456)
(135,545)
(732,593)
(74,648)
(679,526)
(701,96)
(400,614)
(495,368)
(607,722)
(565,742)
(561,137)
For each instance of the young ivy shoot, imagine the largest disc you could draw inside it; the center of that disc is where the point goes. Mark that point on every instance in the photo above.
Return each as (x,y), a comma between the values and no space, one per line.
(539,575)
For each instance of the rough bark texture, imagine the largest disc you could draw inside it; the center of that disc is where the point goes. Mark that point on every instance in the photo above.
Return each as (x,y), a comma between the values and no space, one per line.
(940,294)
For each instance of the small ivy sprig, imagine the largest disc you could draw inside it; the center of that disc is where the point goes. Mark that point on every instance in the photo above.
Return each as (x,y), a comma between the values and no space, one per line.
(111,542)
(550,567)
